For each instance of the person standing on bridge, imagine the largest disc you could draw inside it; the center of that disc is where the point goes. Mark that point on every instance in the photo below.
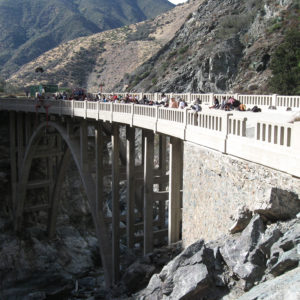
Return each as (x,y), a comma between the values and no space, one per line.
(173,103)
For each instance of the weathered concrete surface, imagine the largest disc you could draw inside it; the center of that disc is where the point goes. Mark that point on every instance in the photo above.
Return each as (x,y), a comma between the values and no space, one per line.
(216,187)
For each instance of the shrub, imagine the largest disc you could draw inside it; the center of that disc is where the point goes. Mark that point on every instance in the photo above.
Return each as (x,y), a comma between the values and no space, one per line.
(154,81)
(183,49)
(285,65)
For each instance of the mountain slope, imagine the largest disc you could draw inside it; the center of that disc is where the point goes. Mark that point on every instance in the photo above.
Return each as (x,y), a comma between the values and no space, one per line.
(104,57)
(30,27)
(225,45)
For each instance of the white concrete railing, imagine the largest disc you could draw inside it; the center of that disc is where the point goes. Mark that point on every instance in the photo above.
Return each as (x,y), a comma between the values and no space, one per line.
(258,100)
(273,144)
(263,101)
(287,101)
(237,126)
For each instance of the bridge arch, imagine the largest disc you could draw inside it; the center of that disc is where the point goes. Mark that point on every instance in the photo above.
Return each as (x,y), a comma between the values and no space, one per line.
(73,150)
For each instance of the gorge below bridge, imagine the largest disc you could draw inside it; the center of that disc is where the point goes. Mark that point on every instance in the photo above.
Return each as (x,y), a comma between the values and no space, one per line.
(177,145)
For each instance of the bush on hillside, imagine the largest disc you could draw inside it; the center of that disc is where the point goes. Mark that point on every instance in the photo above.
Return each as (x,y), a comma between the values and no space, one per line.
(285,65)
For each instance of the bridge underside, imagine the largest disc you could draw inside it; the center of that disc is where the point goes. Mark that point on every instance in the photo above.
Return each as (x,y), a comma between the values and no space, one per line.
(152,214)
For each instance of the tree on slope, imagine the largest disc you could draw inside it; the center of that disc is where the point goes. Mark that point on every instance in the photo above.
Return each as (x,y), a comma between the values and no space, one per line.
(285,65)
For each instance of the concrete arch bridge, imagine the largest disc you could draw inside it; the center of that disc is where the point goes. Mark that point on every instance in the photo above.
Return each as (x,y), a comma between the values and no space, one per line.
(67,135)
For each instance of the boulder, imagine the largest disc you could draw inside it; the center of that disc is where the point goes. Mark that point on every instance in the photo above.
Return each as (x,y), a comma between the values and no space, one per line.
(271,236)
(189,281)
(241,220)
(241,254)
(183,277)
(137,276)
(281,205)
(286,286)
(287,261)
(284,253)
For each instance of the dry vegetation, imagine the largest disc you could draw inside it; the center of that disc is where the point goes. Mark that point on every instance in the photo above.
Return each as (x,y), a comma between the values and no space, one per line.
(105,57)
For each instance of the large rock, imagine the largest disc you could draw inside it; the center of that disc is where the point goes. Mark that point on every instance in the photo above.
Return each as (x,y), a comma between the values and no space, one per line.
(184,277)
(137,276)
(242,219)
(241,254)
(284,253)
(282,205)
(284,287)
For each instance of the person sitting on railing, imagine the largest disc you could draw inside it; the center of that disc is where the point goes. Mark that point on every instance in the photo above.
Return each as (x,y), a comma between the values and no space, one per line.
(164,100)
(242,107)
(144,100)
(182,104)
(196,105)
(173,103)
(224,102)
(229,104)
(236,104)
(216,103)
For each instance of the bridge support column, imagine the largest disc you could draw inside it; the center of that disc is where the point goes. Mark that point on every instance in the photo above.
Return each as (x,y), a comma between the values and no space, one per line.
(13,159)
(115,204)
(130,176)
(28,128)
(99,142)
(84,145)
(175,183)
(55,199)
(162,187)
(148,191)
(20,140)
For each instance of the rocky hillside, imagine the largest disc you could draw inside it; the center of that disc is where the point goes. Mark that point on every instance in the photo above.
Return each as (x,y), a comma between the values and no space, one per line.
(105,57)
(29,28)
(201,46)
(224,45)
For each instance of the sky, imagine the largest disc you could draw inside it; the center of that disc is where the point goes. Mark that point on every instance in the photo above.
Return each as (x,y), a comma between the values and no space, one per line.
(177,1)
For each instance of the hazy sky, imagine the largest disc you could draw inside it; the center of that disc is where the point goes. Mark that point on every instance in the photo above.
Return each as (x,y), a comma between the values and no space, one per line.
(177,1)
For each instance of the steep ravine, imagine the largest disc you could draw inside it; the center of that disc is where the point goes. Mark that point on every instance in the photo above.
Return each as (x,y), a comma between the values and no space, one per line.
(68,266)
(31,265)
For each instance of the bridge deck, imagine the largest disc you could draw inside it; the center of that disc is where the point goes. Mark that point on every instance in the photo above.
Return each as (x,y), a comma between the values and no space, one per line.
(265,138)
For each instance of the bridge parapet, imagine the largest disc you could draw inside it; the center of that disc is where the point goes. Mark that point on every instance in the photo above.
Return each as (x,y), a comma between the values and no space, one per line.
(264,101)
(274,144)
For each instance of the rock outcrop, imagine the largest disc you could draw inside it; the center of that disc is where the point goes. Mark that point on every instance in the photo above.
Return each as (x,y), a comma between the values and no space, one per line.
(223,45)
(257,259)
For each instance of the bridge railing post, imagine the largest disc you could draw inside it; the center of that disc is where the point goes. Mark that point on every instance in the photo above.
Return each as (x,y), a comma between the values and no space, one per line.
(274,100)
(225,129)
(85,108)
(156,117)
(211,99)
(72,108)
(111,111)
(98,108)
(189,98)
(60,107)
(295,141)
(185,120)
(132,114)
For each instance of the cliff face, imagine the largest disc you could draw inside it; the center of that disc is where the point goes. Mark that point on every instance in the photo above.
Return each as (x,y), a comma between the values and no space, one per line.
(224,45)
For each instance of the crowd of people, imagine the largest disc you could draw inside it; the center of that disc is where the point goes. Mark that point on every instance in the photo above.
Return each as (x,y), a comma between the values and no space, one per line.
(232,104)
(226,104)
